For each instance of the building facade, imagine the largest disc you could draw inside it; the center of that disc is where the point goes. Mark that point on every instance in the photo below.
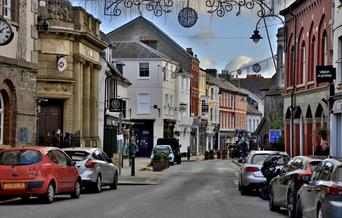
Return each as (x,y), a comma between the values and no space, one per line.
(18,69)
(203,108)
(336,120)
(309,38)
(67,80)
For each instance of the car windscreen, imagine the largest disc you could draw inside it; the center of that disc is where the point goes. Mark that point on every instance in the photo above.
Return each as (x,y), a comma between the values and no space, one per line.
(281,160)
(314,164)
(20,157)
(77,155)
(161,150)
(258,158)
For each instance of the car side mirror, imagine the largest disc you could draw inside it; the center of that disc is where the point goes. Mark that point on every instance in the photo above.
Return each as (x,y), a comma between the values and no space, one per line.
(73,163)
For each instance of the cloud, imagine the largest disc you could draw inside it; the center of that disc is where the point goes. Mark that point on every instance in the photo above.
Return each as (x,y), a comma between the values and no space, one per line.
(207,63)
(205,35)
(238,62)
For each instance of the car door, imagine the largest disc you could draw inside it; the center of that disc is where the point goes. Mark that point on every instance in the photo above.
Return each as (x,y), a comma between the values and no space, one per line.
(307,195)
(57,171)
(109,167)
(277,184)
(67,169)
(100,163)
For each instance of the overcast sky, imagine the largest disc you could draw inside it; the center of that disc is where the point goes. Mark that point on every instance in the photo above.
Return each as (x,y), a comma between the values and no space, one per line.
(219,42)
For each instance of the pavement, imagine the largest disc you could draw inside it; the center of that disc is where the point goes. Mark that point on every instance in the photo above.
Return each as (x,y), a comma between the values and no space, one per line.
(144,174)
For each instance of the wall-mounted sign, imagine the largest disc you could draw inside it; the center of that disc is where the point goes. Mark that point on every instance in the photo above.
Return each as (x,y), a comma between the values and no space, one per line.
(115,105)
(325,73)
(61,63)
(205,108)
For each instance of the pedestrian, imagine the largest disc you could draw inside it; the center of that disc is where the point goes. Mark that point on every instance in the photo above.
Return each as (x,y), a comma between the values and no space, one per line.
(322,149)
(67,140)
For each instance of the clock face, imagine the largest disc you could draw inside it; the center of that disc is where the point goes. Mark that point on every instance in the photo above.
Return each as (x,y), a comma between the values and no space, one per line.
(6,34)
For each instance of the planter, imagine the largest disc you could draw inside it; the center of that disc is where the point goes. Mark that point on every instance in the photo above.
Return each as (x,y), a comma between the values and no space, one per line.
(211,155)
(206,155)
(218,155)
(224,156)
(157,165)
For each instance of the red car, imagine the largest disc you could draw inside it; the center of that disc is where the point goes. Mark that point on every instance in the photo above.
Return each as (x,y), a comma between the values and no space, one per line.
(38,171)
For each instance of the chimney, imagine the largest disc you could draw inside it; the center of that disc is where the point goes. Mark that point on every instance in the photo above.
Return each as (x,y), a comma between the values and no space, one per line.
(189,50)
(254,77)
(225,75)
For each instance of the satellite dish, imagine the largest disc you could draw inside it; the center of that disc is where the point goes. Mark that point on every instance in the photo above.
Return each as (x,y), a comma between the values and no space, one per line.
(239,71)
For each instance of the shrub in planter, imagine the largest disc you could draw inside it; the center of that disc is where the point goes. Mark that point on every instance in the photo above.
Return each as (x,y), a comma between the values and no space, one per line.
(211,154)
(206,155)
(218,154)
(224,154)
(165,160)
(157,162)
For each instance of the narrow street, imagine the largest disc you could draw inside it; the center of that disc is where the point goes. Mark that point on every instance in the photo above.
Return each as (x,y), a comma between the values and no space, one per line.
(196,189)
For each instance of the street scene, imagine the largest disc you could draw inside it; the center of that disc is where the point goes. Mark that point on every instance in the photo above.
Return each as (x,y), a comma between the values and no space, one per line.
(171,108)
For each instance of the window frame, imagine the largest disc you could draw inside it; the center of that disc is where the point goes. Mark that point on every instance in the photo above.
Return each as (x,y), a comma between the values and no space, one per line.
(141,69)
(139,103)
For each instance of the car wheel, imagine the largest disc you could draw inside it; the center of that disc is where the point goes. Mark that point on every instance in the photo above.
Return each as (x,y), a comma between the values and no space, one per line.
(77,192)
(271,205)
(320,212)
(25,198)
(299,212)
(244,190)
(291,204)
(114,185)
(49,195)
(98,184)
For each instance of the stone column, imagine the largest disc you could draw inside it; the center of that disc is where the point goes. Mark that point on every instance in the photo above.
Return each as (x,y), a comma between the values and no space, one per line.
(94,101)
(77,97)
(86,100)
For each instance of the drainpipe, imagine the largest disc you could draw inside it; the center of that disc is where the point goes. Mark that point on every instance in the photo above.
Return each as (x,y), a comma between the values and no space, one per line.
(293,81)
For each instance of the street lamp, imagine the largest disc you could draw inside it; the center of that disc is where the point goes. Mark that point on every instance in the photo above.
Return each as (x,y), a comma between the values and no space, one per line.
(256,36)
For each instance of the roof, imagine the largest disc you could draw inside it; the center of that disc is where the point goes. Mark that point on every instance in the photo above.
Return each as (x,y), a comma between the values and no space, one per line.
(291,7)
(255,86)
(224,84)
(252,110)
(164,35)
(136,49)
(105,38)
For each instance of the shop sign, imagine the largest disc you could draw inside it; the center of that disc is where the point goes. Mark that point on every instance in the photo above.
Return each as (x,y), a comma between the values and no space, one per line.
(61,63)
(115,105)
(325,73)
(205,108)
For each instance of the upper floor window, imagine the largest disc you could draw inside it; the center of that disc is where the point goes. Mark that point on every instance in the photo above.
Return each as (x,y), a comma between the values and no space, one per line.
(1,119)
(312,59)
(212,94)
(211,114)
(281,64)
(302,74)
(144,102)
(325,48)
(144,70)
(10,9)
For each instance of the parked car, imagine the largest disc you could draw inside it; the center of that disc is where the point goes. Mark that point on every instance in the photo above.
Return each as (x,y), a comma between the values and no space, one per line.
(321,197)
(163,149)
(250,176)
(95,167)
(284,187)
(38,171)
(175,147)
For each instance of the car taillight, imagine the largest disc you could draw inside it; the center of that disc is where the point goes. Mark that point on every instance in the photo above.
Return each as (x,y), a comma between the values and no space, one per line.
(333,190)
(251,169)
(90,164)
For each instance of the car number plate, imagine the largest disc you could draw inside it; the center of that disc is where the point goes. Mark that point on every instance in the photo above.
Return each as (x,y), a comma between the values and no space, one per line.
(14,186)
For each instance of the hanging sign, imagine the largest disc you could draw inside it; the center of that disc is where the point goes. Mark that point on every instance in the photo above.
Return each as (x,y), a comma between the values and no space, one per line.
(115,105)
(325,73)
(187,17)
(61,63)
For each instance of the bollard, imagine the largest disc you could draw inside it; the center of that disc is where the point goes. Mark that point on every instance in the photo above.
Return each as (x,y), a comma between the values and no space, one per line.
(133,166)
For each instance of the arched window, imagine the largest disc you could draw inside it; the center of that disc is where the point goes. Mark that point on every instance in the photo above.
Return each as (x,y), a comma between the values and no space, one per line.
(313,62)
(324,48)
(302,75)
(2,106)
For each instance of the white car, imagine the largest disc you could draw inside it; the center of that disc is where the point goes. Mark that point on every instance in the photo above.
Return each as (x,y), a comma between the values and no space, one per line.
(164,149)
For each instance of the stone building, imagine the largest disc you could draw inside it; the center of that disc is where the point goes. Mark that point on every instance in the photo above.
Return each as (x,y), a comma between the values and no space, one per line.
(67,80)
(18,69)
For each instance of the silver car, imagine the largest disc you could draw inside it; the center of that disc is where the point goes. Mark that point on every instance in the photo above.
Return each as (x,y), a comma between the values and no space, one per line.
(163,149)
(95,167)
(250,176)
(322,195)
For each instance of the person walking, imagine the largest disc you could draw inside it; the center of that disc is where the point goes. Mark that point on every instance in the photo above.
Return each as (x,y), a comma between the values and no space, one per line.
(67,140)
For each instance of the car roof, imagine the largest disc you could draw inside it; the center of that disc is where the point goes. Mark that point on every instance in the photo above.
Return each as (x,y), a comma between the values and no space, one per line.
(309,158)
(269,152)
(337,162)
(42,149)
(162,146)
(90,150)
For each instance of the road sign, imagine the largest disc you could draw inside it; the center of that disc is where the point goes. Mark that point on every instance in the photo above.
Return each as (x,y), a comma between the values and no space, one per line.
(274,135)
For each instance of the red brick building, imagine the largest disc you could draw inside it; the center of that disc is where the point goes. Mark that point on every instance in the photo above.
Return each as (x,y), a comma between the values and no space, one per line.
(194,85)
(309,43)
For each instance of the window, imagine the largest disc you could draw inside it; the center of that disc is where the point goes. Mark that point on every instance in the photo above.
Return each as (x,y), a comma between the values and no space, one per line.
(211,114)
(326,171)
(10,9)
(119,67)
(62,158)
(212,94)
(339,57)
(302,75)
(166,102)
(20,157)
(281,63)
(144,70)
(7,9)
(312,59)
(143,103)
(1,119)
(325,48)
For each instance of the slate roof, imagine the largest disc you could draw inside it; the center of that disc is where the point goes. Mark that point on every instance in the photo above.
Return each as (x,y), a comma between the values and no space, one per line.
(126,49)
(224,84)
(255,86)
(252,110)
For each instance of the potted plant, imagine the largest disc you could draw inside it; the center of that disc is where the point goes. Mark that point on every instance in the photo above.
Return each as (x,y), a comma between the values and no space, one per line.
(157,162)
(206,155)
(218,154)
(165,160)
(224,154)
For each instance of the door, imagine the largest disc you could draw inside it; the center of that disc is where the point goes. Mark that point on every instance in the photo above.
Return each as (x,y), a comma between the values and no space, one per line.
(50,119)
(57,171)
(101,164)
(278,183)
(108,168)
(109,141)
(68,171)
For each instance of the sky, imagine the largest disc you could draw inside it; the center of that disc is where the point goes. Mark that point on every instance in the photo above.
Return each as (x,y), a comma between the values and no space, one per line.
(219,42)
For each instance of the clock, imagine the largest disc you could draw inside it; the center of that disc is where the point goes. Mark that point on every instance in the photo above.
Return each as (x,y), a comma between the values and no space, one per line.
(6,33)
